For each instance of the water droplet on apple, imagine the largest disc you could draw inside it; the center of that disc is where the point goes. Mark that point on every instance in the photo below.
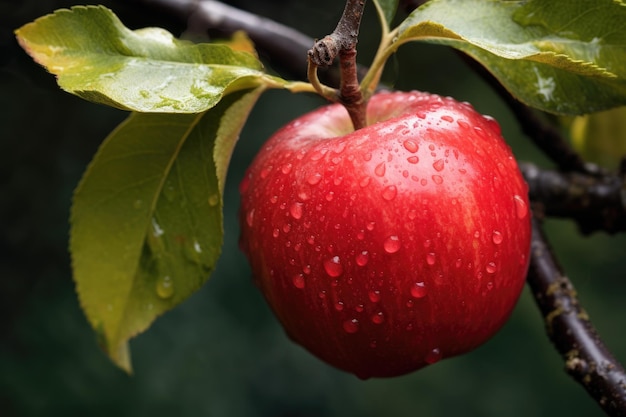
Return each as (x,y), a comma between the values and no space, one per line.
(367,156)
(165,287)
(351,326)
(365,181)
(438,165)
(303,195)
(370,226)
(250,217)
(275,232)
(392,244)
(273,199)
(286,227)
(447,118)
(296,210)
(521,209)
(433,356)
(318,154)
(378,318)
(410,146)
(306,269)
(333,266)
(430,258)
(286,169)
(339,147)
(298,281)
(437,179)
(321,295)
(314,179)
(480,132)
(458,262)
(360,234)
(491,268)
(413,159)
(493,123)
(339,306)
(330,196)
(497,237)
(362,258)
(374,296)
(265,172)
(418,290)
(380,169)
(390,192)
(463,124)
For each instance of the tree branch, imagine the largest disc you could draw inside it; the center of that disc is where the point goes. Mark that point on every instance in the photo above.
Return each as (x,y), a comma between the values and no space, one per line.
(586,357)
(594,203)
(285,46)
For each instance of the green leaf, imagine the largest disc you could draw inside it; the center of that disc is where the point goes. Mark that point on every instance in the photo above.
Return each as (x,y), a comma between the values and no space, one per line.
(146,219)
(601,137)
(386,9)
(147,70)
(584,32)
(566,59)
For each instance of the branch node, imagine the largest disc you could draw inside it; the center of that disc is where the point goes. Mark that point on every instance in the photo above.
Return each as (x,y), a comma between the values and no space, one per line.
(324,52)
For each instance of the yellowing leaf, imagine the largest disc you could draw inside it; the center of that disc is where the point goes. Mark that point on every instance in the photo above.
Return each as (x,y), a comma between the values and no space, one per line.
(146,224)
(241,42)
(96,57)
(601,137)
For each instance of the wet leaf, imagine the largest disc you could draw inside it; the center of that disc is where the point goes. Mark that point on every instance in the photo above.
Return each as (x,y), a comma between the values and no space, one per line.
(97,58)
(565,59)
(146,219)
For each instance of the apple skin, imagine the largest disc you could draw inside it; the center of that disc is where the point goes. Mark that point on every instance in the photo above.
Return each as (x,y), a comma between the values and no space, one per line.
(389,248)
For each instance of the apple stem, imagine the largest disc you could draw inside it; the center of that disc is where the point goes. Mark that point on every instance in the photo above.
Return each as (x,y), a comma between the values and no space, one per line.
(342,43)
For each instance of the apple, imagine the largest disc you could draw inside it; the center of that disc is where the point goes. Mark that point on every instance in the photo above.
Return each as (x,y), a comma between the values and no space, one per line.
(386,249)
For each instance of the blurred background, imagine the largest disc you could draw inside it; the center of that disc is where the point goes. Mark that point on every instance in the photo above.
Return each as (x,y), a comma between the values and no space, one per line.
(222,353)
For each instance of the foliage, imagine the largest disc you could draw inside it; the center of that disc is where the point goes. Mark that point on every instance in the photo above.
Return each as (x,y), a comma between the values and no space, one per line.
(146,221)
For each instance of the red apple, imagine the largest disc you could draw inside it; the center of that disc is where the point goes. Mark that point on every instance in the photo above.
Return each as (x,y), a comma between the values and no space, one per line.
(386,249)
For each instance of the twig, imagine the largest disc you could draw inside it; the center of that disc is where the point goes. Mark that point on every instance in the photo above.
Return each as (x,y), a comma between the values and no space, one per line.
(342,42)
(546,136)
(594,203)
(586,357)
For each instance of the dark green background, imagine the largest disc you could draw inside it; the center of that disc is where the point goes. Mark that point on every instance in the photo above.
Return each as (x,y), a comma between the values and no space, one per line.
(222,353)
